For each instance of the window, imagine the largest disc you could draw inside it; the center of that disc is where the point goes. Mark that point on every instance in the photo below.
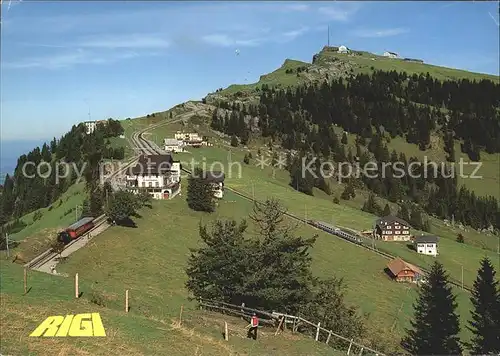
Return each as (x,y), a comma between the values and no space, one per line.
(398,232)
(389,226)
(150,184)
(397,227)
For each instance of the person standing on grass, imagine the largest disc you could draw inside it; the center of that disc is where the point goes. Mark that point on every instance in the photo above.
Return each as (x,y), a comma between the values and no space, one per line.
(254,324)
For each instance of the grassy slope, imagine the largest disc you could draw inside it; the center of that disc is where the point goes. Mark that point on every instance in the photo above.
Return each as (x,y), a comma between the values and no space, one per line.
(363,63)
(150,263)
(253,180)
(360,64)
(134,333)
(55,217)
(154,270)
(38,235)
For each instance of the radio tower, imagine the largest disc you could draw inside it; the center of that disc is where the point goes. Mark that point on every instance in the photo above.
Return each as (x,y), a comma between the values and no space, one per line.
(328,35)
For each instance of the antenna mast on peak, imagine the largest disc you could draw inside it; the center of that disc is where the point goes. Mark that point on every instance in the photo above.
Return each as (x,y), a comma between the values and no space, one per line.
(328,35)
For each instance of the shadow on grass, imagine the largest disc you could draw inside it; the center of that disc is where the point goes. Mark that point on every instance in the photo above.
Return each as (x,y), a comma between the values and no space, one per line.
(411,247)
(388,273)
(127,222)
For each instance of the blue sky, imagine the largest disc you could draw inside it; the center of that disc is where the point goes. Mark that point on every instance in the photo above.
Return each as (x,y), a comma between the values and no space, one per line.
(126,59)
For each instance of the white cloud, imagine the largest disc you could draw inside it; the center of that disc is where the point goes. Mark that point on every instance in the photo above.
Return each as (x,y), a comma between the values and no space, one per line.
(291,35)
(224,40)
(372,33)
(298,7)
(139,41)
(342,12)
(71,58)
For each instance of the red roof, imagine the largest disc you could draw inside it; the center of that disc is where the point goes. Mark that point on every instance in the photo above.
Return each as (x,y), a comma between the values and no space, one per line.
(397,265)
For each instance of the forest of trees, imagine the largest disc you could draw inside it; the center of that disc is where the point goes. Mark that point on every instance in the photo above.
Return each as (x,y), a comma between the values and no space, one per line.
(377,108)
(24,192)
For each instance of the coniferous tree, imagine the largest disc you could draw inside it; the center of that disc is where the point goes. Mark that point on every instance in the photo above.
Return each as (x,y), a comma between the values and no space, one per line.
(344,138)
(387,210)
(199,192)
(435,325)
(403,213)
(485,322)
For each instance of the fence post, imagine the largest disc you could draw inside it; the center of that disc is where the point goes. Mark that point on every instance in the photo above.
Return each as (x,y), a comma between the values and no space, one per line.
(349,349)
(317,331)
(76,286)
(200,304)
(242,311)
(226,336)
(328,338)
(180,315)
(25,280)
(126,301)
(293,326)
(279,325)
(361,352)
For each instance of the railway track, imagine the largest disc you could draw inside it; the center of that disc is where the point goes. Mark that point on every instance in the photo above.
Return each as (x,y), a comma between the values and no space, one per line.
(49,255)
(143,145)
(149,148)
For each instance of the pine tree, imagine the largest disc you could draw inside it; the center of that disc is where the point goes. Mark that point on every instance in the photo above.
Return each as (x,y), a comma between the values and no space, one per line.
(387,210)
(403,213)
(485,323)
(199,192)
(435,326)
(344,138)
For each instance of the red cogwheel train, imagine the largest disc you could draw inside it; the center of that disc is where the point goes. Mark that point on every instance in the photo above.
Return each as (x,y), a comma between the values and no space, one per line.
(76,230)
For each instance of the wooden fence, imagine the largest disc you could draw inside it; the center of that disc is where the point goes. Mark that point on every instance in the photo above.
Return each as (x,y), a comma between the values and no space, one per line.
(293,323)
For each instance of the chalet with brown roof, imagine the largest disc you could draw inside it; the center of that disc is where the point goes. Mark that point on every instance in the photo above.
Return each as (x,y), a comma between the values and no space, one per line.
(402,271)
(391,228)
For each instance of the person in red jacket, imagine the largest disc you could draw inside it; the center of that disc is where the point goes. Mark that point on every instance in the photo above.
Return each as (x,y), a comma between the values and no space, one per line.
(254,324)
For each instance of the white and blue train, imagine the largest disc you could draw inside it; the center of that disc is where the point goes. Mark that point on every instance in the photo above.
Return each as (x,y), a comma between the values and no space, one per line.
(336,231)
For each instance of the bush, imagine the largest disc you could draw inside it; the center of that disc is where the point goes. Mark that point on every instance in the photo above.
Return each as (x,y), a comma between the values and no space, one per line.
(460,238)
(336,200)
(97,298)
(37,216)
(50,208)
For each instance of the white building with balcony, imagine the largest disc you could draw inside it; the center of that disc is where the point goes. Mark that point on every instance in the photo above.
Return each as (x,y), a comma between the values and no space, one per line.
(159,175)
